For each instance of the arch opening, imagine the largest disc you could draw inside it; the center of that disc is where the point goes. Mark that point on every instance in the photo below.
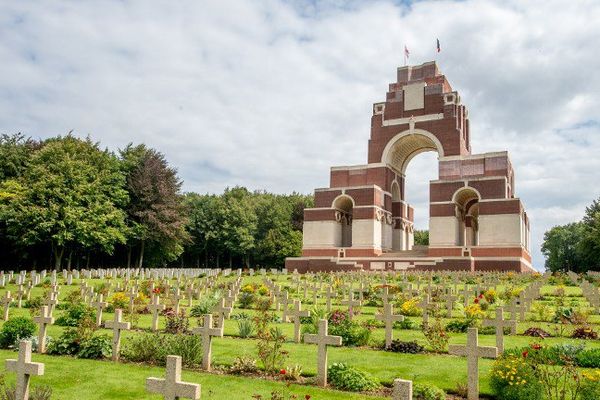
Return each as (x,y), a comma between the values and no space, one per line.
(466,203)
(343,206)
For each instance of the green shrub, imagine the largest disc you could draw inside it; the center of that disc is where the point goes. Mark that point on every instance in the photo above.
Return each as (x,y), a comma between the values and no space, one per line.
(428,392)
(97,347)
(153,348)
(205,305)
(345,377)
(42,392)
(588,358)
(245,328)
(460,325)
(407,323)
(246,300)
(512,378)
(15,329)
(67,343)
(74,314)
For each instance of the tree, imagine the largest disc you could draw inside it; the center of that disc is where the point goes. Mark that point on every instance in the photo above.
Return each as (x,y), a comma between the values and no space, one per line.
(239,223)
(155,209)
(560,247)
(422,238)
(204,226)
(15,153)
(589,245)
(69,196)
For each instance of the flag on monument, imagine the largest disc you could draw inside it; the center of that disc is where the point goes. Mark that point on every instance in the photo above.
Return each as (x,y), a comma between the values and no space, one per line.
(438,45)
(406,52)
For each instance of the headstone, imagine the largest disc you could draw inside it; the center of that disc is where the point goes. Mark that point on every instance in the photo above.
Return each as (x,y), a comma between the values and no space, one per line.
(6,300)
(43,321)
(99,305)
(172,388)
(322,340)
(473,351)
(117,325)
(402,390)
(24,369)
(207,332)
(296,314)
(499,322)
(389,318)
(155,307)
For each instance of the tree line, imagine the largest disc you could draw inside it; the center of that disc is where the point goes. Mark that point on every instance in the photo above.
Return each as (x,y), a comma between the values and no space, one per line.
(575,246)
(66,202)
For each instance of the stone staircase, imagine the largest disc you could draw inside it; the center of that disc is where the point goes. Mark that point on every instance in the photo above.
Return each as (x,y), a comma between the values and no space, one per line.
(417,251)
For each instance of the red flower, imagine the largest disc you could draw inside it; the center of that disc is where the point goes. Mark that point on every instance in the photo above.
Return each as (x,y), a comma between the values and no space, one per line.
(525,353)
(307,397)
(481,296)
(283,372)
(536,346)
(476,301)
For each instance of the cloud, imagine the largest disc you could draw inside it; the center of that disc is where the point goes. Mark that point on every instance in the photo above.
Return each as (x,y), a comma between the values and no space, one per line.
(270,94)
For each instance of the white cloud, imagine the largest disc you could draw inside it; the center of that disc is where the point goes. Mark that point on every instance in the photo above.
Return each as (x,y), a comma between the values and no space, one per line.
(270,94)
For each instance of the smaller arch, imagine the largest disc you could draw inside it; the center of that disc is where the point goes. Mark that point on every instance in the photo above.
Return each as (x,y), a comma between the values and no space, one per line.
(465,194)
(343,202)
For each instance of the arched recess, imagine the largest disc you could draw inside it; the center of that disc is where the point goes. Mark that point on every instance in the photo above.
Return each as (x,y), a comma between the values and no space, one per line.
(466,203)
(343,206)
(397,154)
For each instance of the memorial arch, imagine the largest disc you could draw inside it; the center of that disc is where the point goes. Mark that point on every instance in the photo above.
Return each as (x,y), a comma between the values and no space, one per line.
(363,221)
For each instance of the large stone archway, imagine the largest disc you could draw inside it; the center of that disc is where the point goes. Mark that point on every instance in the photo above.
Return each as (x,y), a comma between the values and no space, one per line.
(476,221)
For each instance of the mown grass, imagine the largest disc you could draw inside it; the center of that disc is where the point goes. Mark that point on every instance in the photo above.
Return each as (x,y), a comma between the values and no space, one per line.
(102,380)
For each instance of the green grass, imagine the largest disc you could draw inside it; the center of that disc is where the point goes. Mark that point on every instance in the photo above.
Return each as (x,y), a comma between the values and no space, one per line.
(77,379)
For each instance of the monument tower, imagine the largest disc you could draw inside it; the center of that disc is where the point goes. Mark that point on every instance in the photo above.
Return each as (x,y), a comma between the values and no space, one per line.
(362,221)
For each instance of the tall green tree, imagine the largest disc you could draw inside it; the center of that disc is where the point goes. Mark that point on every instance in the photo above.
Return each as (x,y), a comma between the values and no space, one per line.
(70,196)
(561,247)
(15,153)
(239,223)
(155,209)
(204,226)
(589,246)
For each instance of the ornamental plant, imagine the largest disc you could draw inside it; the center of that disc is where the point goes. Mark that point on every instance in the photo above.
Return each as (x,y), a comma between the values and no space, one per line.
(590,385)
(410,308)
(512,378)
(345,377)
(436,336)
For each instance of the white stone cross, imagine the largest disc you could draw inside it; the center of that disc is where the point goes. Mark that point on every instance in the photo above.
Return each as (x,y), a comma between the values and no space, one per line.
(117,325)
(322,340)
(389,318)
(224,312)
(172,388)
(450,299)
(52,301)
(176,297)
(296,314)
(473,351)
(99,305)
(20,294)
(207,332)
(24,369)
(499,322)
(329,293)
(43,321)
(155,307)
(351,302)
(424,304)
(6,300)
(285,305)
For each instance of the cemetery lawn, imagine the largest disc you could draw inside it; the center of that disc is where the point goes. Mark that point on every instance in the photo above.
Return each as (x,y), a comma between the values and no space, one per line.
(77,379)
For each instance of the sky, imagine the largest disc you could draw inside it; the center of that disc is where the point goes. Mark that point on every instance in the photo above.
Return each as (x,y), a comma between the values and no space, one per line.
(271,94)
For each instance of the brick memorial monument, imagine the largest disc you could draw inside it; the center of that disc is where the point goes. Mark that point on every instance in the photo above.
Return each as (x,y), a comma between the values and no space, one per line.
(362,221)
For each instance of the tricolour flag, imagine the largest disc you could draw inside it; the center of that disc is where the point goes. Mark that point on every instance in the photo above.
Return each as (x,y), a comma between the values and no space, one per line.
(438,45)
(406,52)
